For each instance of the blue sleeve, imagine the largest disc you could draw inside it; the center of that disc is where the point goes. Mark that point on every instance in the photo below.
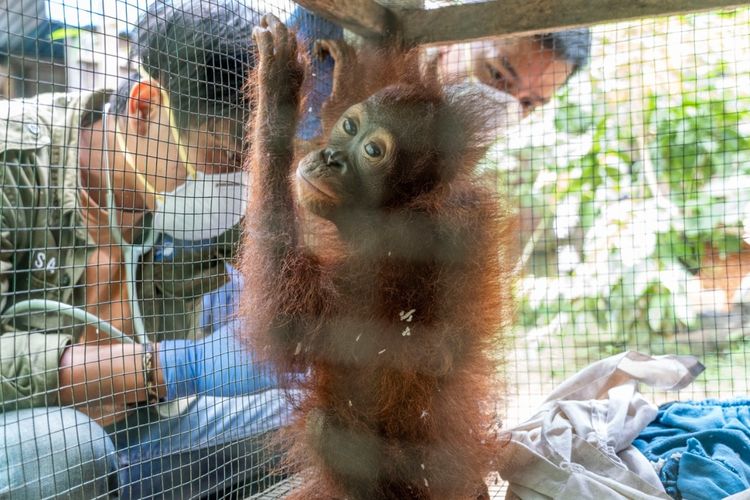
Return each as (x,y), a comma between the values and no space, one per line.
(217,365)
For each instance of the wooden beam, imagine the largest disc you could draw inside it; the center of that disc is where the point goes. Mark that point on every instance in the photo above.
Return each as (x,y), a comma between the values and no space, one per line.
(514,17)
(366,18)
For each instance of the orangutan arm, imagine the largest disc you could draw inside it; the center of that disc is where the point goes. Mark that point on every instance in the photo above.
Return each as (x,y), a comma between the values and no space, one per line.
(278,80)
(280,273)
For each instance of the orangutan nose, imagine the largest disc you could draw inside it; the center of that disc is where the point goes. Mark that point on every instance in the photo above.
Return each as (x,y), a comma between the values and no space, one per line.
(334,158)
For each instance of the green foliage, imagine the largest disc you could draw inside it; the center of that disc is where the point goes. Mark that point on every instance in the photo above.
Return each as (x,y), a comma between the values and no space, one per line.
(635,188)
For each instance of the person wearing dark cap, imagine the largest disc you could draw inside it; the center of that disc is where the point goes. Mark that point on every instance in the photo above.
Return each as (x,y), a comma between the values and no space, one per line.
(119,215)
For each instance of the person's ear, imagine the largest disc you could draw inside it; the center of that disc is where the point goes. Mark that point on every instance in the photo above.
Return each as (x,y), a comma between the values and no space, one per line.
(144,104)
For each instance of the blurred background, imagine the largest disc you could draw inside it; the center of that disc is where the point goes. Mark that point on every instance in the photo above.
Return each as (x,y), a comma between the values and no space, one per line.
(633,188)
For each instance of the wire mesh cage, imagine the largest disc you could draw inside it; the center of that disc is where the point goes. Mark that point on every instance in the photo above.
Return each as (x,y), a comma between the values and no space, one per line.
(126,368)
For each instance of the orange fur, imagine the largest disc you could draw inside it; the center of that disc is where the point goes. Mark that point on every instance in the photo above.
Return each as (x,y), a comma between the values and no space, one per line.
(382,412)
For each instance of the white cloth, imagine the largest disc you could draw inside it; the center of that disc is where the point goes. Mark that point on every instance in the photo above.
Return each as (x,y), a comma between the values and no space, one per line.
(578,445)
(742,495)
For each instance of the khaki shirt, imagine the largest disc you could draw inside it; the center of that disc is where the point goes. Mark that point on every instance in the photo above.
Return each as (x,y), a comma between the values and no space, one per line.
(44,247)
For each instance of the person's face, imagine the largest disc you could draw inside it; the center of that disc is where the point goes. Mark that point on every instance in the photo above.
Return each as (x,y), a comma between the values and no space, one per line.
(160,156)
(520,66)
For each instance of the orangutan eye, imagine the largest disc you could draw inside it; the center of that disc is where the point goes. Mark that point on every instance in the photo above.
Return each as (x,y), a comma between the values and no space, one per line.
(349,126)
(495,74)
(373,150)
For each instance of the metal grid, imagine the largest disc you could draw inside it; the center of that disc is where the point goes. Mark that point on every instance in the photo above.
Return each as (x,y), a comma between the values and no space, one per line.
(630,183)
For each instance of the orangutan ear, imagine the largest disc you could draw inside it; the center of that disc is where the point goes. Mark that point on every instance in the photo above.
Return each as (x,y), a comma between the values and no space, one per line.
(491,111)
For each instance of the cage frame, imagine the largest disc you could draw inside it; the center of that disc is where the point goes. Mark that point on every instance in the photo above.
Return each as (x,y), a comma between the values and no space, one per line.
(409,22)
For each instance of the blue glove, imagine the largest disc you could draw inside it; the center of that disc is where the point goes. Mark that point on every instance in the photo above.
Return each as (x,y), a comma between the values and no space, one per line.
(217,365)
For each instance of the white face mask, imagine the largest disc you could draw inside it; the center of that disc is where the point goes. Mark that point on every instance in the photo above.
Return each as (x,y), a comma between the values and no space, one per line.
(203,207)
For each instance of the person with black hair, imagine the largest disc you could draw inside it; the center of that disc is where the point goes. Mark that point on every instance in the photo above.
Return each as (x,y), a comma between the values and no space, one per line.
(531,68)
(119,215)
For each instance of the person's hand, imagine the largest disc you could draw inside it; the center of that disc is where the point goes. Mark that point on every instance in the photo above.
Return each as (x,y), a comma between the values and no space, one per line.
(217,365)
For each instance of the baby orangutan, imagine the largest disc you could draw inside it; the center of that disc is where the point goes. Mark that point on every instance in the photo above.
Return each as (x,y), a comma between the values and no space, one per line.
(391,329)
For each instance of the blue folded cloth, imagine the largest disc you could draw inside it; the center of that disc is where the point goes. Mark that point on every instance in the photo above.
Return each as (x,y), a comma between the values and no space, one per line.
(701,448)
